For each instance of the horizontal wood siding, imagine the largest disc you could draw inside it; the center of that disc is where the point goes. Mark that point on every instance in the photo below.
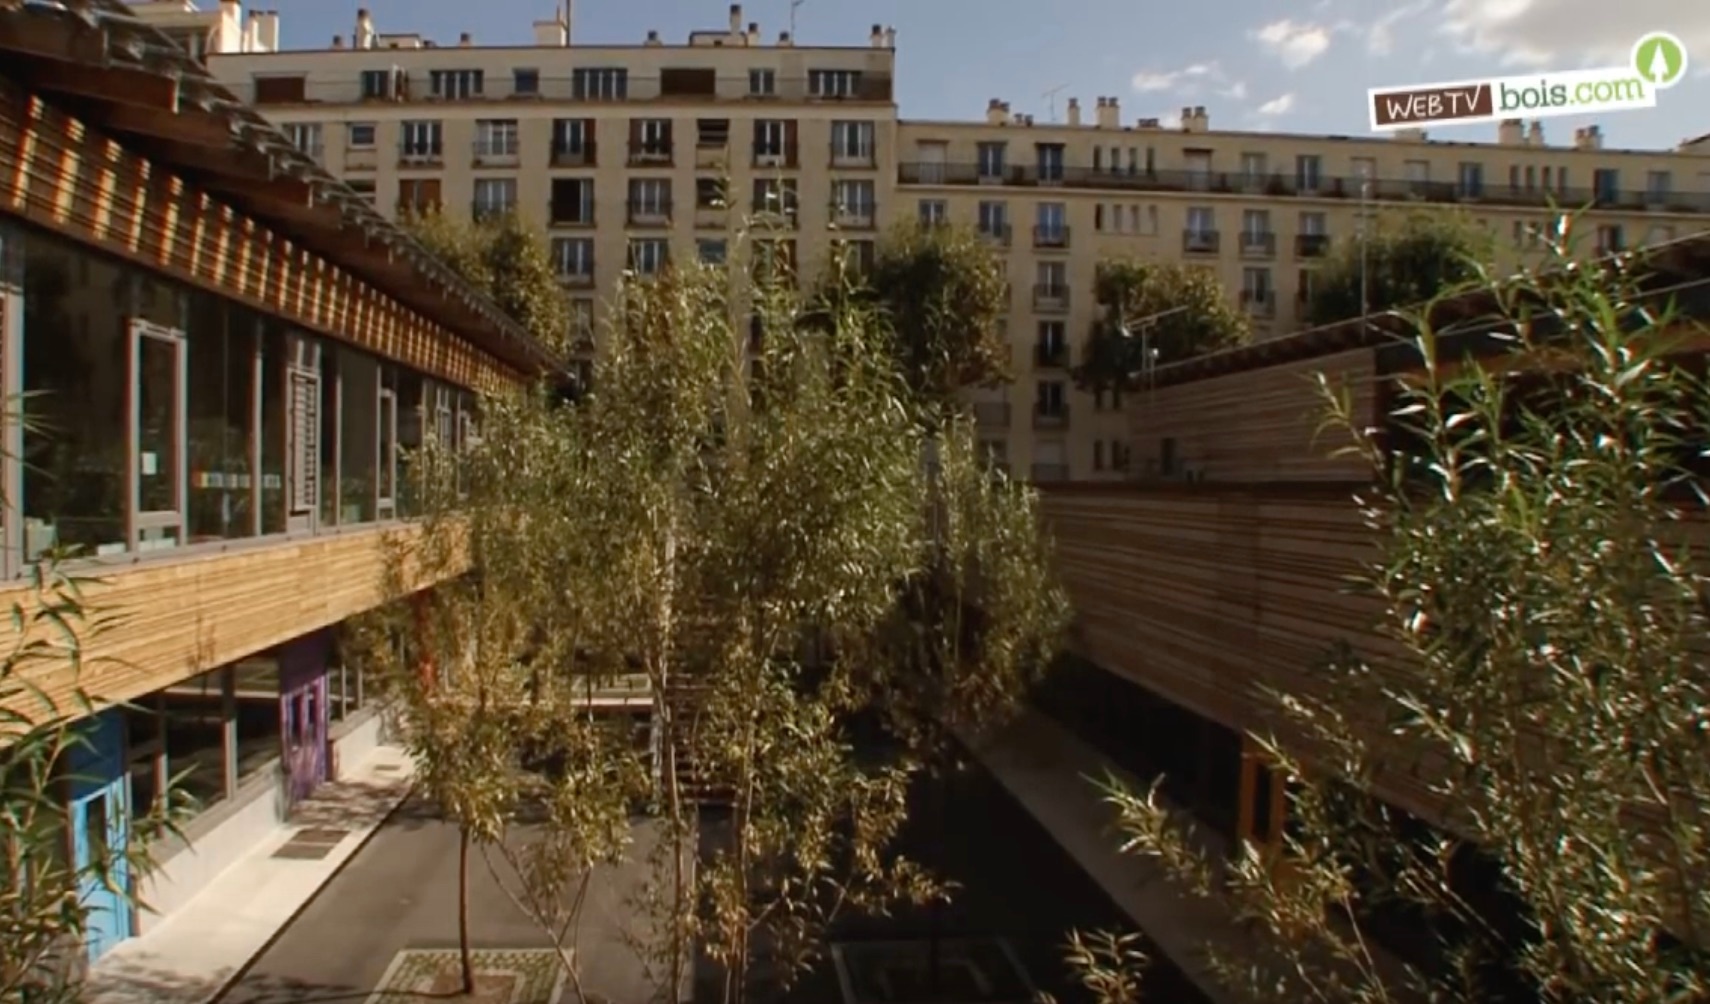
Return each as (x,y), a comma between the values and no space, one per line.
(60,174)
(1256,425)
(167,620)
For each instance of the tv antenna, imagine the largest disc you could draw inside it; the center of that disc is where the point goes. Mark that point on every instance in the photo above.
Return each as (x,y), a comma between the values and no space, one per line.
(1051,97)
(793,5)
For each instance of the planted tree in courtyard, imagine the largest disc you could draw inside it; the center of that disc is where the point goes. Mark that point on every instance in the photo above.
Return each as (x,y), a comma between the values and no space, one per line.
(1165,310)
(738,524)
(942,290)
(1407,259)
(506,257)
(1536,517)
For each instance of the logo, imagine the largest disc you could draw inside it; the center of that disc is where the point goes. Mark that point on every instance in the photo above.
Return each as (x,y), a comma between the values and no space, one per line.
(1660,58)
(1658,62)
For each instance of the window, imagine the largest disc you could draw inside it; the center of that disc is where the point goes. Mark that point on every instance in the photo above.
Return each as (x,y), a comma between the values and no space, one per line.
(364,187)
(418,195)
(494,196)
(1658,186)
(602,84)
(712,251)
(420,140)
(852,143)
(279,90)
(1255,222)
(763,83)
(774,143)
(776,196)
(1610,239)
(1050,398)
(572,142)
(1471,180)
(712,134)
(525,81)
(833,83)
(1606,184)
(1145,223)
(1305,284)
(650,140)
(1053,341)
(853,200)
(305,136)
(1253,170)
(572,202)
(934,212)
(221,340)
(991,159)
(1198,169)
(573,257)
(1660,233)
(1050,158)
(1098,455)
(994,219)
(358,485)
(455,85)
(1256,289)
(582,318)
(1313,224)
(1051,224)
(1308,173)
(1365,168)
(496,139)
(649,199)
(383,84)
(255,707)
(687,81)
(303,427)
(1052,277)
(856,257)
(647,256)
(193,716)
(359,136)
(711,193)
(1201,220)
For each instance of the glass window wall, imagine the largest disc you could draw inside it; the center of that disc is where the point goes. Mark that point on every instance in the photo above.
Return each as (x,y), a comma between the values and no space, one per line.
(359,438)
(222,349)
(195,717)
(256,695)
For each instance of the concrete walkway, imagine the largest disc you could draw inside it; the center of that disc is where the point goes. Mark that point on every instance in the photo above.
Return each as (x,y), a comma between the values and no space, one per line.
(193,955)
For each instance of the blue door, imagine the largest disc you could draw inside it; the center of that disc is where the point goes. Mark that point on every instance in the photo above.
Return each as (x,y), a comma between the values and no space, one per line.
(100,833)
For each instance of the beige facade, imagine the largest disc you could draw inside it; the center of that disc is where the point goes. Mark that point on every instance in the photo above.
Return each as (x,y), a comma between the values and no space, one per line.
(617,151)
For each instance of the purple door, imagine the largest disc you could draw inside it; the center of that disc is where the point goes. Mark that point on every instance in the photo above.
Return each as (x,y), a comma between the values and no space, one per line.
(303,715)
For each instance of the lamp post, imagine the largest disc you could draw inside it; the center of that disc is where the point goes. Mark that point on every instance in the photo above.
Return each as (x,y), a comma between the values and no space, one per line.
(1148,354)
(1365,287)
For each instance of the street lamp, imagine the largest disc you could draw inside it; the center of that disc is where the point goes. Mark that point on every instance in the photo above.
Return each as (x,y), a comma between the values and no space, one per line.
(1148,354)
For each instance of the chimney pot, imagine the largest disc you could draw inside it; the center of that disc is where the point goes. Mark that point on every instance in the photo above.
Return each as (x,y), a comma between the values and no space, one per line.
(338,41)
(753,26)
(1074,102)
(465,39)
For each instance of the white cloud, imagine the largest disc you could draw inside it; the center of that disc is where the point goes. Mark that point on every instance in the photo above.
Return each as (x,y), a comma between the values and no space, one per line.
(1282,104)
(1144,81)
(1294,44)
(1186,80)
(1380,34)
(1237,90)
(1564,33)
(1171,121)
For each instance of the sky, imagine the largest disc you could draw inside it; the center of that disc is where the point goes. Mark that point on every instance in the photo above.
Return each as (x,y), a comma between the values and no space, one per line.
(1284,65)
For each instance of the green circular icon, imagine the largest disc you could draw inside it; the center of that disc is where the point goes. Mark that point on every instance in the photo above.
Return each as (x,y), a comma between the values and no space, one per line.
(1660,58)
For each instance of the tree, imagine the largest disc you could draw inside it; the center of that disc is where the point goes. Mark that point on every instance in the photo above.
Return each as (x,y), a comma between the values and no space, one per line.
(942,289)
(44,916)
(1544,614)
(696,521)
(1407,259)
(1133,290)
(505,257)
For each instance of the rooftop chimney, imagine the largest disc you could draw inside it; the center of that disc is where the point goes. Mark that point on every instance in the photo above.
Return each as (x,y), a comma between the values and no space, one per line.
(364,37)
(890,38)
(784,39)
(1108,115)
(1535,135)
(554,33)
(877,38)
(1074,111)
(1588,138)
(465,40)
(994,112)
(1410,135)
(265,24)
(1511,132)
(1195,119)
(736,19)
(753,36)
(338,41)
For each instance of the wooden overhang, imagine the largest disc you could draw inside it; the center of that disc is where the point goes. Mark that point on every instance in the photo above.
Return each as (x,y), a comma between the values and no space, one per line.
(132,82)
(1679,269)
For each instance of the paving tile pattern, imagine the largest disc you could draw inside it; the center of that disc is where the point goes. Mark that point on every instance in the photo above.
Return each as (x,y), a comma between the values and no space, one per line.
(522,976)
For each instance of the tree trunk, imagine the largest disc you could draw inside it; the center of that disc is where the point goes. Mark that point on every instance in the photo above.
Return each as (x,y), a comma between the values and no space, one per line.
(465,956)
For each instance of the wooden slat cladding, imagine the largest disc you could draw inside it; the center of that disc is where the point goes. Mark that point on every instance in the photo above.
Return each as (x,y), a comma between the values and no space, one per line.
(1255,425)
(62,175)
(167,620)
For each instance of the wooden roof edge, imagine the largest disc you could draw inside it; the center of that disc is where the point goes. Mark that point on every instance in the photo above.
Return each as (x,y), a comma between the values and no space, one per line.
(1687,256)
(135,45)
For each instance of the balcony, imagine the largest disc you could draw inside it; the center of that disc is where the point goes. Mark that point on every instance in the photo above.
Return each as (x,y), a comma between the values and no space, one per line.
(1050,472)
(991,414)
(845,159)
(1050,355)
(856,217)
(496,155)
(1255,244)
(776,156)
(1050,297)
(579,277)
(1050,416)
(1317,186)
(650,154)
(1259,302)
(574,156)
(649,213)
(1311,245)
(1051,237)
(412,155)
(361,158)
(570,214)
(1198,241)
(479,210)
(996,233)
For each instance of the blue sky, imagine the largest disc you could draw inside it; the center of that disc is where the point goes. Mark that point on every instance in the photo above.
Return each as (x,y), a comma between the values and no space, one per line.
(1297,65)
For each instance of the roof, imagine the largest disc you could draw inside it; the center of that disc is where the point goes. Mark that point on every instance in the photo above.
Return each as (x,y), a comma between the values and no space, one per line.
(126,78)
(1680,264)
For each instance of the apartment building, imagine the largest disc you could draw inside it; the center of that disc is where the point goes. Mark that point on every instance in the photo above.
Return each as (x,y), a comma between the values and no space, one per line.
(625,154)
(226,359)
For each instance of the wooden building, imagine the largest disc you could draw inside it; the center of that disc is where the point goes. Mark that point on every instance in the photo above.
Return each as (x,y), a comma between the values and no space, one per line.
(222,356)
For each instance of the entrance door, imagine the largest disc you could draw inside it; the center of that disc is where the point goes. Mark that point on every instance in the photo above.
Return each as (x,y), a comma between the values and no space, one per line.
(99,838)
(305,735)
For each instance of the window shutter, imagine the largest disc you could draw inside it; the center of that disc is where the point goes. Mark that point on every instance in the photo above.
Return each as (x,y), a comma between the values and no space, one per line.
(635,133)
(305,439)
(790,140)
